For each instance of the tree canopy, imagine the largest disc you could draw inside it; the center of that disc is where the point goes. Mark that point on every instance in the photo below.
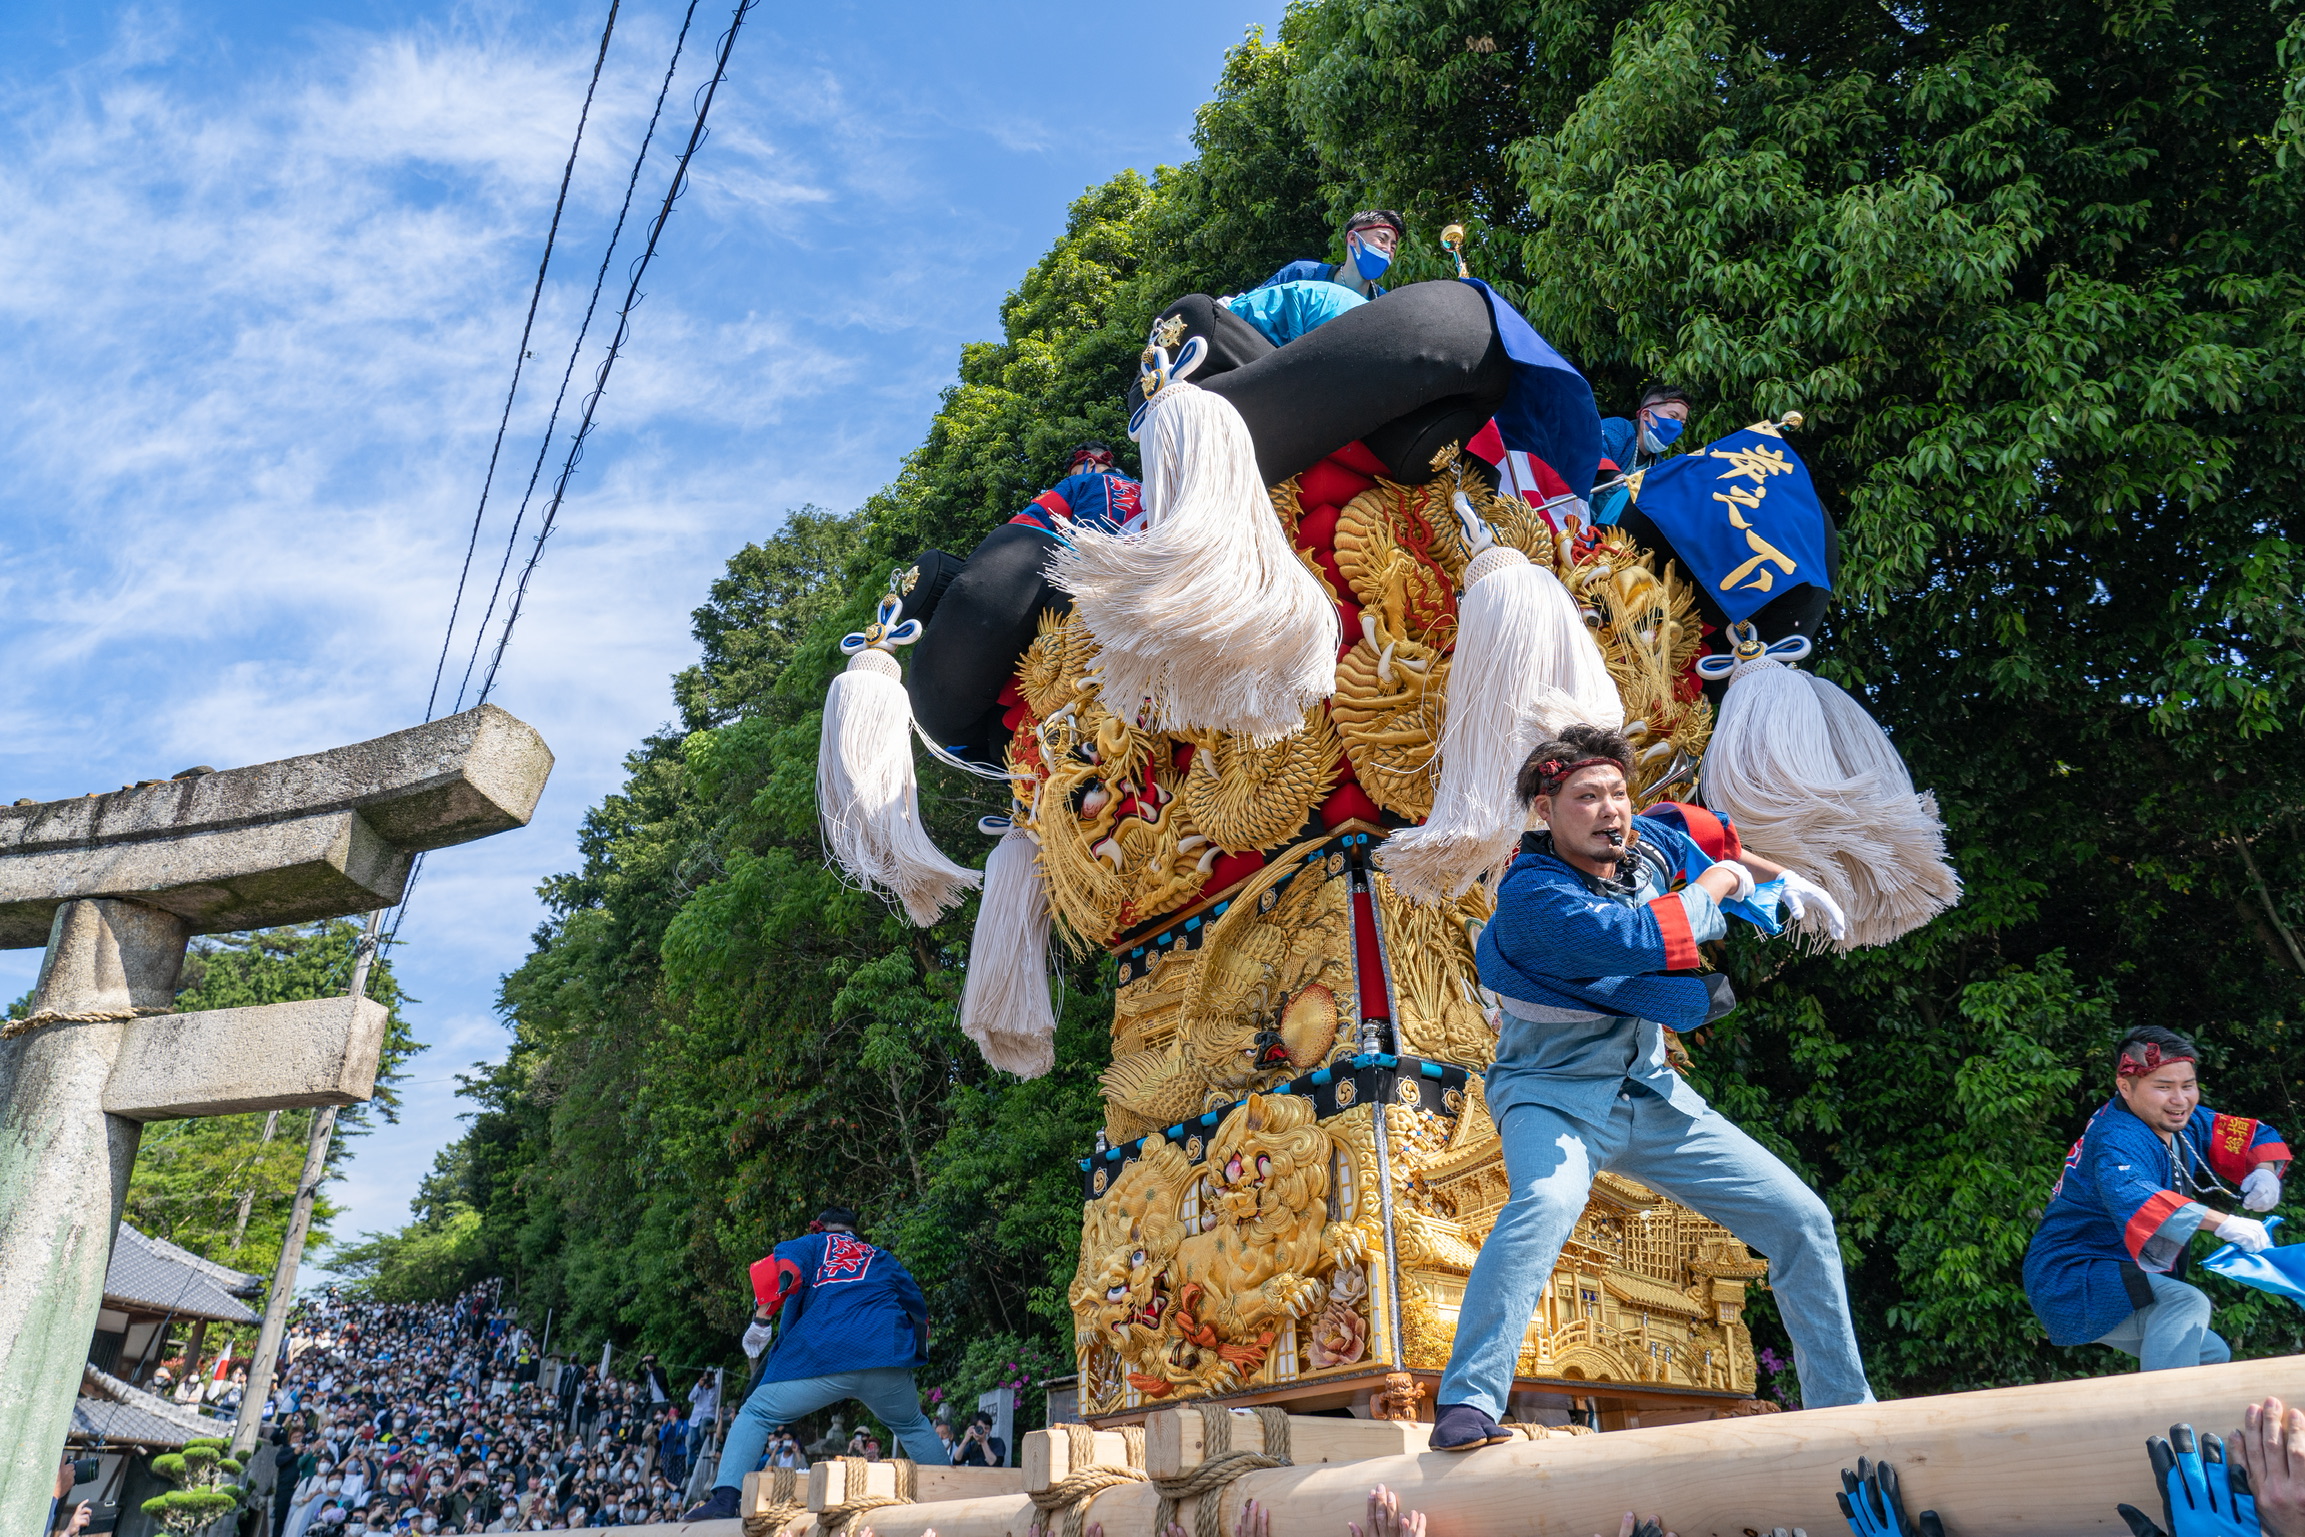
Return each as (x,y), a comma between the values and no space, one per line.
(2030,276)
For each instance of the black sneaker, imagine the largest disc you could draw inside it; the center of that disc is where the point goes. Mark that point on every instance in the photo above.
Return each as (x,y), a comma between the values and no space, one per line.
(720,1505)
(1463,1427)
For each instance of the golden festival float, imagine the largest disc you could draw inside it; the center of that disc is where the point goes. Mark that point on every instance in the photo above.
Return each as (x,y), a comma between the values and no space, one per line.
(1259,741)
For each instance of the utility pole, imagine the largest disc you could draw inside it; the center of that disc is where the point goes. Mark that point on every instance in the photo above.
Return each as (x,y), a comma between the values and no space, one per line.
(299,1225)
(248,1193)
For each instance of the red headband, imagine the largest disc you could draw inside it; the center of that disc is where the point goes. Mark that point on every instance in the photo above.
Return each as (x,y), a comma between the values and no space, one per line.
(1553,770)
(2151,1062)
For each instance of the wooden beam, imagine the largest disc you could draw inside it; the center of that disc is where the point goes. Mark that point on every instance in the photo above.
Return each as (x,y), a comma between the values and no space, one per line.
(830,1483)
(2010,1462)
(1047,1456)
(1175,1439)
(753,1502)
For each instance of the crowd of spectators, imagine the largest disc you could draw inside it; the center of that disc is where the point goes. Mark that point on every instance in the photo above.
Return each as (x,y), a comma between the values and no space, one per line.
(440,1418)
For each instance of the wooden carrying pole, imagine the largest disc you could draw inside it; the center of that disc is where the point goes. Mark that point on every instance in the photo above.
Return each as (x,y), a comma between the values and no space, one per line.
(2010,1462)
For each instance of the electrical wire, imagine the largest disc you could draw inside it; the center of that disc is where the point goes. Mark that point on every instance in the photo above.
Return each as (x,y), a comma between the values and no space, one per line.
(697,134)
(552,424)
(535,295)
(632,297)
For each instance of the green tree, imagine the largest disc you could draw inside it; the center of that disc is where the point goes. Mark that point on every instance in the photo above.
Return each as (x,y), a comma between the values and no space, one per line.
(202,1473)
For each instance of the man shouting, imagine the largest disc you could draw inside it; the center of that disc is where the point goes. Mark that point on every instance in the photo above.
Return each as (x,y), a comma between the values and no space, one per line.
(1594,920)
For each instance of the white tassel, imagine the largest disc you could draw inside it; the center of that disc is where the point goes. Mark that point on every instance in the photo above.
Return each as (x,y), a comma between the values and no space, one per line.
(1004,1004)
(1811,782)
(867,799)
(1205,613)
(1525,666)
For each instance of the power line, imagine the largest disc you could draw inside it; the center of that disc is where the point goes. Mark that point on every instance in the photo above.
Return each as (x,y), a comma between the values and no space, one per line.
(535,294)
(552,424)
(632,297)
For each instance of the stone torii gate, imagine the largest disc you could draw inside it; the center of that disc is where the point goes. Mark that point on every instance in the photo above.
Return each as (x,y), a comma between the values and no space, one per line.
(114,886)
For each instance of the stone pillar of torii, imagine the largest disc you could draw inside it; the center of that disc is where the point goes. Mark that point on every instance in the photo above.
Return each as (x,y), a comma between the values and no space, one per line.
(114,886)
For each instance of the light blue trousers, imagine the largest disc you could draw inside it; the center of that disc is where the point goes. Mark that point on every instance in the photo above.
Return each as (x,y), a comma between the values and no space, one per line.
(1707,1165)
(2173,1332)
(886,1390)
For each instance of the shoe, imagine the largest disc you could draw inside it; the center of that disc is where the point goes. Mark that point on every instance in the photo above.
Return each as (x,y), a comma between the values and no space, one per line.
(1463,1427)
(720,1505)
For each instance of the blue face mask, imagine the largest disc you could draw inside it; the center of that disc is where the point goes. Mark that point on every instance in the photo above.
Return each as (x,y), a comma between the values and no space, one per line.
(1659,434)
(1369,263)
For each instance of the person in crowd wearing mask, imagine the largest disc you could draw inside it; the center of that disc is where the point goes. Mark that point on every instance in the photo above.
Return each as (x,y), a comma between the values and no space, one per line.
(852,1324)
(311,1490)
(944,1434)
(2104,1263)
(1653,432)
(288,1469)
(1593,918)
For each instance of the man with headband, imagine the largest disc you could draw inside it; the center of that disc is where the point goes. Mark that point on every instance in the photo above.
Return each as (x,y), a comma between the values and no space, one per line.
(1372,236)
(1593,955)
(1093,494)
(2104,1263)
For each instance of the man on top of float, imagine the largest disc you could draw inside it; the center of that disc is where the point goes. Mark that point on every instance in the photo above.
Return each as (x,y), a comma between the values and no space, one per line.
(854,1325)
(2102,1268)
(1582,952)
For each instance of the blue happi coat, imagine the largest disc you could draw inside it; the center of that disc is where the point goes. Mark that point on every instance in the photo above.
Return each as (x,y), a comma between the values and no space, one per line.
(1101,499)
(2124,1205)
(844,1306)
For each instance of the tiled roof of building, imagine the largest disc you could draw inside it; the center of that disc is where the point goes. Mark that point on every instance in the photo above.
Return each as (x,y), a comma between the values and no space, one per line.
(111,1409)
(153,1275)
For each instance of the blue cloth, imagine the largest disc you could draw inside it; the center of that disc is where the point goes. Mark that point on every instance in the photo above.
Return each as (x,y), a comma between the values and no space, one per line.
(2126,1198)
(844,1306)
(1314,272)
(887,1391)
(1742,514)
(1285,311)
(1548,410)
(2280,1271)
(2171,1332)
(1557,943)
(1621,446)
(1700,1160)
(1099,499)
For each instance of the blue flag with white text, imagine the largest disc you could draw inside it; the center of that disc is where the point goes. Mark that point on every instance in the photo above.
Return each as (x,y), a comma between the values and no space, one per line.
(1743,516)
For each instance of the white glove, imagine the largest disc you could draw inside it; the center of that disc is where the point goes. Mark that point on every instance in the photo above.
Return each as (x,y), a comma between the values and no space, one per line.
(755,1340)
(1801,894)
(2244,1233)
(2261,1191)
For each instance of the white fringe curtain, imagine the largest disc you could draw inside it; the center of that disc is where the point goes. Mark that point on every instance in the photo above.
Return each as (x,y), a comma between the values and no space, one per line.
(1813,783)
(1525,666)
(868,801)
(1004,1003)
(1205,613)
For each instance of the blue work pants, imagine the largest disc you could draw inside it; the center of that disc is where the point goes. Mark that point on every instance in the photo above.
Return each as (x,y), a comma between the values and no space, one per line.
(1706,1164)
(887,1391)
(2173,1332)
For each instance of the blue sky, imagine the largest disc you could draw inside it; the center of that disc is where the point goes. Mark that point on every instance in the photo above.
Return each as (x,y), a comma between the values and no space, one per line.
(261,283)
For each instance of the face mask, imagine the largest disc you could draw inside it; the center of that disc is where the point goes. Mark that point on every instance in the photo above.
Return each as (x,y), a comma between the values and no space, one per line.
(1658,433)
(1368,262)
(335,1484)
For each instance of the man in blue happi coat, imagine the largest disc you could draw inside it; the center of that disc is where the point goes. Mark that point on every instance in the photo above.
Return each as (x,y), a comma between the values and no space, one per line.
(1093,494)
(2103,1265)
(1305,295)
(1593,954)
(851,1323)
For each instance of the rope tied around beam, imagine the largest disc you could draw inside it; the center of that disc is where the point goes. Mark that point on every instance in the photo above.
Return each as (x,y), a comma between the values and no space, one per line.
(787,1498)
(1219,1466)
(1089,1478)
(10,1029)
(834,1518)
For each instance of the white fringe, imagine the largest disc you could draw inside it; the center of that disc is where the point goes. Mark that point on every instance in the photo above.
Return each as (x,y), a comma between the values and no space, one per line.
(1004,1004)
(1812,782)
(1204,613)
(867,799)
(1525,667)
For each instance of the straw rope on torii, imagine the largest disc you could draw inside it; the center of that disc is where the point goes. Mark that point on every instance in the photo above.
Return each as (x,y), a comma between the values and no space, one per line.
(1089,1478)
(1220,1466)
